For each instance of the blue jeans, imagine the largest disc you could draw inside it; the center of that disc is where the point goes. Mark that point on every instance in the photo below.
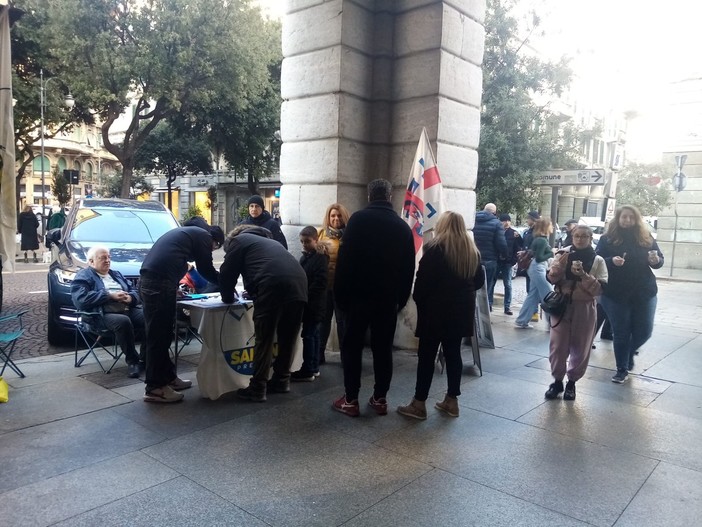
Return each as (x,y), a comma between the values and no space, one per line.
(505,269)
(310,346)
(490,278)
(632,326)
(538,289)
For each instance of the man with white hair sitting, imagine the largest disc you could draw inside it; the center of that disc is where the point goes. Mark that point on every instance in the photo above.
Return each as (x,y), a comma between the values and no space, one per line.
(100,289)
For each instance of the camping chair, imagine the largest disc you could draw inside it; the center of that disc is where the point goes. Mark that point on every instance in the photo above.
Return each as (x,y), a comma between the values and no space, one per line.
(8,341)
(94,334)
(184,332)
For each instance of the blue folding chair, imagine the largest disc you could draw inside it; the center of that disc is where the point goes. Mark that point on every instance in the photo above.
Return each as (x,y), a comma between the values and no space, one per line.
(8,341)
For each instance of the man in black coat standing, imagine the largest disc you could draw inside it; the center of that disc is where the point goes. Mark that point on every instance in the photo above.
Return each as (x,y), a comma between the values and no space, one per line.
(163,267)
(504,265)
(374,273)
(278,286)
(259,216)
(489,236)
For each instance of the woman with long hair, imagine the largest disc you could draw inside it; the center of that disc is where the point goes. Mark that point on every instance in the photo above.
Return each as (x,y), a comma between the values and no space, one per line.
(335,219)
(538,285)
(449,275)
(578,272)
(629,299)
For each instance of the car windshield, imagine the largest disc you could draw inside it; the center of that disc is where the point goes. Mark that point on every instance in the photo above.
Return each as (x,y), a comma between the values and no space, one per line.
(119,225)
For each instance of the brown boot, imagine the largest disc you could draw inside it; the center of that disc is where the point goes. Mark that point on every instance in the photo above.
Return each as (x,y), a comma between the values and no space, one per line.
(448,405)
(416,409)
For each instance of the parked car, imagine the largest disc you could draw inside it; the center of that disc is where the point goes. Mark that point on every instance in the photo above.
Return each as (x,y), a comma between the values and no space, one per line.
(128,228)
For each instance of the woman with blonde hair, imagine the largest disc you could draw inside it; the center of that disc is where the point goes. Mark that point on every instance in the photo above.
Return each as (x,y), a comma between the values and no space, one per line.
(629,299)
(538,286)
(335,219)
(449,275)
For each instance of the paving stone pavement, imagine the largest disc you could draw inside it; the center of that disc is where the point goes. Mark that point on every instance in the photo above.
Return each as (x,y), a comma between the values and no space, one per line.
(82,448)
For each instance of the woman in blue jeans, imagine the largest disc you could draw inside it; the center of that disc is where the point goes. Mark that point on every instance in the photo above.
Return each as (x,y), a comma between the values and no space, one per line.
(629,299)
(539,286)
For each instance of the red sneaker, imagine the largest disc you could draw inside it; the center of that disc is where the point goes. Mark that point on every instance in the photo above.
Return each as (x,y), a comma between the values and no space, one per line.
(379,405)
(346,407)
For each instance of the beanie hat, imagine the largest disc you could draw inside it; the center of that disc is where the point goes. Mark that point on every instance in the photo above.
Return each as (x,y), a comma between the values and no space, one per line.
(534,215)
(571,221)
(217,234)
(256,200)
(505,217)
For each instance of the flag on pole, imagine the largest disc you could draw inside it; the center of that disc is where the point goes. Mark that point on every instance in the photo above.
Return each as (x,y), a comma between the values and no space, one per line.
(424,196)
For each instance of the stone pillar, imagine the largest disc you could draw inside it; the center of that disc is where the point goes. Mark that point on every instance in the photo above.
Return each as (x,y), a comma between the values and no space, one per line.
(360,79)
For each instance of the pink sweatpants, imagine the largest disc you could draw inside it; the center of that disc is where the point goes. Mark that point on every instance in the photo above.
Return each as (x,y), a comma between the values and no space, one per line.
(571,340)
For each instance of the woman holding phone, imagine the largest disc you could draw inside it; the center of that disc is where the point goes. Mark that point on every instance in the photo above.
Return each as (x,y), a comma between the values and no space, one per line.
(629,299)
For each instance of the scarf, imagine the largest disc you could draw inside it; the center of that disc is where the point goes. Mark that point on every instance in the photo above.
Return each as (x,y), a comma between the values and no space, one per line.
(586,255)
(334,233)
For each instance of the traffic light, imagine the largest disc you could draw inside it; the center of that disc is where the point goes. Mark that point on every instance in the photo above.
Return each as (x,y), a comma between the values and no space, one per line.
(71,176)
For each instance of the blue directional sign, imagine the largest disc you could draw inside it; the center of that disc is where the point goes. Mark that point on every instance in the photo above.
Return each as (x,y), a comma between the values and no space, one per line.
(588,176)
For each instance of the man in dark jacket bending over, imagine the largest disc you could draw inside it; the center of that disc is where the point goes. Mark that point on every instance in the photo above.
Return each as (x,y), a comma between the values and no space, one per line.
(374,273)
(278,286)
(163,267)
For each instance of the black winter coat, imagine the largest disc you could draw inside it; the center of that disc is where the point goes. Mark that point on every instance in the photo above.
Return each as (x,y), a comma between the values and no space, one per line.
(267,222)
(514,245)
(376,259)
(272,276)
(27,225)
(316,267)
(489,236)
(445,301)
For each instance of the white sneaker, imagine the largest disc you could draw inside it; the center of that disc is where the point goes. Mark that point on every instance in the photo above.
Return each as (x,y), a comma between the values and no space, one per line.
(523,326)
(165,394)
(180,384)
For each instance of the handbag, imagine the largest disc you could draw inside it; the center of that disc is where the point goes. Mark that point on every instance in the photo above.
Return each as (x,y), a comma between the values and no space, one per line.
(524,259)
(555,303)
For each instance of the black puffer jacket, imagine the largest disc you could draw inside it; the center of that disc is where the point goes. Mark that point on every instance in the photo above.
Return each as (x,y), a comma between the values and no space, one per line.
(266,221)
(316,267)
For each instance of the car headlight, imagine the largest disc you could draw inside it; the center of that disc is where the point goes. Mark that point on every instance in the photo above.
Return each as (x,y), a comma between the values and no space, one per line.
(64,277)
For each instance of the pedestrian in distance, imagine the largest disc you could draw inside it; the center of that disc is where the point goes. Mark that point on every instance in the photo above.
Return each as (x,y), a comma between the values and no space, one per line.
(539,287)
(277,284)
(505,264)
(489,236)
(630,297)
(449,275)
(315,263)
(27,225)
(162,269)
(373,281)
(579,273)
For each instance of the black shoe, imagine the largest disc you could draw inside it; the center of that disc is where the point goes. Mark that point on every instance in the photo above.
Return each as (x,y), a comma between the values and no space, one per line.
(554,389)
(302,376)
(278,386)
(508,312)
(133,371)
(569,394)
(249,395)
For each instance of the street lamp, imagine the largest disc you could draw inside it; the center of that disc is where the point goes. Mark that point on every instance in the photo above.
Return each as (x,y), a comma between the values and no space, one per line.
(69,102)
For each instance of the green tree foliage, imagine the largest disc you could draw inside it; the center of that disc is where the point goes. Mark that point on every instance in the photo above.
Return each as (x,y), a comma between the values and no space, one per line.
(164,58)
(520,135)
(60,188)
(646,186)
(112,186)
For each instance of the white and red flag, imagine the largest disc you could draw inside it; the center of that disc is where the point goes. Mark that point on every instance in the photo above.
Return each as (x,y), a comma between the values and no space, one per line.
(424,196)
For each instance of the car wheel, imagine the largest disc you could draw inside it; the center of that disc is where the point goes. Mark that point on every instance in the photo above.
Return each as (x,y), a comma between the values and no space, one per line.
(54,333)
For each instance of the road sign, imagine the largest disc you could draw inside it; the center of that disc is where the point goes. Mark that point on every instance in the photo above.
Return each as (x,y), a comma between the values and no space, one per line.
(679,182)
(589,176)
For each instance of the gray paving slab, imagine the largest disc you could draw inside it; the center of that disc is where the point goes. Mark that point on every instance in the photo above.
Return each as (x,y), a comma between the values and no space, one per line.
(179,502)
(683,365)
(501,360)
(672,496)
(66,495)
(43,403)
(39,452)
(680,399)
(651,433)
(442,498)
(577,478)
(277,467)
